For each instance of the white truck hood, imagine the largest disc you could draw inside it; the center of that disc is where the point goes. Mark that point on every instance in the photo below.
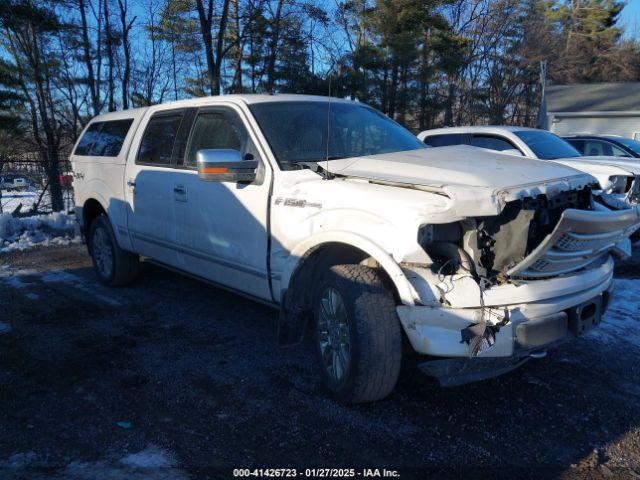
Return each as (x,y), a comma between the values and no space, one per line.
(613,165)
(479,181)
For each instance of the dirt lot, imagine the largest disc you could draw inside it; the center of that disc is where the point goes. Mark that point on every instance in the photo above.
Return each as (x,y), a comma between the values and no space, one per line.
(172,378)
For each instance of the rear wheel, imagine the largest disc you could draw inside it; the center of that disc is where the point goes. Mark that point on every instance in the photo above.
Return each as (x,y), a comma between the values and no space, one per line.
(113,265)
(357,334)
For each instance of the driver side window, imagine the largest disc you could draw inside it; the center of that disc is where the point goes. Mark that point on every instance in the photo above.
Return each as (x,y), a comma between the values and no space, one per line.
(216,130)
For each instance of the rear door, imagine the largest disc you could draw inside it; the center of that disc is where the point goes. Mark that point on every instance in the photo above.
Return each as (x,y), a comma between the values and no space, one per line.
(149,187)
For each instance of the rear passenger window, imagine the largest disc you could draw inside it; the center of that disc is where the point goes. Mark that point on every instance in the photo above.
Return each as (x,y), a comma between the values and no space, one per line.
(104,139)
(157,142)
(492,143)
(111,138)
(86,142)
(447,140)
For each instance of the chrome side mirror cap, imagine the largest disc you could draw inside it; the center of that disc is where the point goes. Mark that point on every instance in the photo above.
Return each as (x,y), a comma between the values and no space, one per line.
(225,166)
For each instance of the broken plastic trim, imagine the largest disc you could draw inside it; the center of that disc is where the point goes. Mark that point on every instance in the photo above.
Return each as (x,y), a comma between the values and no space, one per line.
(579,238)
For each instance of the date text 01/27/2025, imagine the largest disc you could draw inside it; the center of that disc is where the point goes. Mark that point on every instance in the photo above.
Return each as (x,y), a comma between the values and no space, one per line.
(315,473)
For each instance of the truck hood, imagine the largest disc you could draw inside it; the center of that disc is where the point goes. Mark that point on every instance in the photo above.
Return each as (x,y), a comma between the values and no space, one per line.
(617,165)
(479,181)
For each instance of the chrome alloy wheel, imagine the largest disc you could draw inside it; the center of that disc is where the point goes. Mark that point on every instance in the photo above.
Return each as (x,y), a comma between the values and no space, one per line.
(333,334)
(102,252)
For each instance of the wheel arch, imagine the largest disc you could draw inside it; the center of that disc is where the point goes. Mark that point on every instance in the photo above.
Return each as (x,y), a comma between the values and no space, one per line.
(334,248)
(92,209)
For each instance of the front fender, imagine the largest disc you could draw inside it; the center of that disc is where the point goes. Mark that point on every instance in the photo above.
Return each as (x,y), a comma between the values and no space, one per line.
(406,292)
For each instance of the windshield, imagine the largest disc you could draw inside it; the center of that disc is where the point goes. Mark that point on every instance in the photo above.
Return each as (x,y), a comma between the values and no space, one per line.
(546,145)
(297,131)
(630,144)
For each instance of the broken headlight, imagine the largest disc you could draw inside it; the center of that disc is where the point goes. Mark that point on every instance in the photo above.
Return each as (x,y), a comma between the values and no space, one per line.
(617,184)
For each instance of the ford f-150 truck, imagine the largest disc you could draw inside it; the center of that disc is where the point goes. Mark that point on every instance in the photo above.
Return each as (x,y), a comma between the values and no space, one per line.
(367,241)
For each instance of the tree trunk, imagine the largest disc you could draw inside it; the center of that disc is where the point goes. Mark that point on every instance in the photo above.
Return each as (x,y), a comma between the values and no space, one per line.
(205,30)
(86,48)
(52,170)
(391,110)
(126,49)
(237,77)
(48,148)
(384,106)
(448,111)
(109,47)
(217,83)
(273,48)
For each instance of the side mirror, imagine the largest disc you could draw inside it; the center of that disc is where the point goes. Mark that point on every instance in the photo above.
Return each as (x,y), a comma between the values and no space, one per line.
(512,151)
(225,166)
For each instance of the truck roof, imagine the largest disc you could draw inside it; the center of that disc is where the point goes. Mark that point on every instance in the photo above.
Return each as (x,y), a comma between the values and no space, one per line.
(248,99)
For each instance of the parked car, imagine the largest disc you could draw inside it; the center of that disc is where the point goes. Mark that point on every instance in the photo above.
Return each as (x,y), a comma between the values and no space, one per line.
(610,145)
(340,218)
(619,178)
(14,183)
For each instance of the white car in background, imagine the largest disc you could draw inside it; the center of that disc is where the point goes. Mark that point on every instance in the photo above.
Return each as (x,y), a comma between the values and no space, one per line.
(619,178)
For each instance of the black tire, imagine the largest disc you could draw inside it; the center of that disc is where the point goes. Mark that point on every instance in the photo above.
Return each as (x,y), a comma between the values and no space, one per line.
(375,339)
(122,266)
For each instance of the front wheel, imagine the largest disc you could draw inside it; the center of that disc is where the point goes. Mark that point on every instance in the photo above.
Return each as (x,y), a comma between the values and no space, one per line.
(113,265)
(357,334)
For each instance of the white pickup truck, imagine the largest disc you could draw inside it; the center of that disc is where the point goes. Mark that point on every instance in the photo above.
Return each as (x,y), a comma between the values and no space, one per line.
(358,233)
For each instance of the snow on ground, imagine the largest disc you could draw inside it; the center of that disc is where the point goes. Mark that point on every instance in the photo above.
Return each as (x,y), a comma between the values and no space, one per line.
(20,233)
(621,323)
(27,279)
(152,463)
(12,198)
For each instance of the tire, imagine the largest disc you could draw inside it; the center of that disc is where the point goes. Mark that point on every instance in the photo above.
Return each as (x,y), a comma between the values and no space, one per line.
(371,354)
(114,266)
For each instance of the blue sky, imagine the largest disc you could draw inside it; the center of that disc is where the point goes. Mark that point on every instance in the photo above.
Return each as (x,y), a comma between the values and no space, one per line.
(630,18)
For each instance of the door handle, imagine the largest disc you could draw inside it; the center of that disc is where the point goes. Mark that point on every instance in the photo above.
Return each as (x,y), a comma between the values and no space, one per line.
(179,189)
(131,183)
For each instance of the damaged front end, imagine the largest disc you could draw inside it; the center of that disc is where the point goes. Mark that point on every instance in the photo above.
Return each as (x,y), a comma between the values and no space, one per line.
(507,286)
(536,237)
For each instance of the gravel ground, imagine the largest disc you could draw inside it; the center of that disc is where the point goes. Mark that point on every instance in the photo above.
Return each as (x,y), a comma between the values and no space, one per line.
(171,379)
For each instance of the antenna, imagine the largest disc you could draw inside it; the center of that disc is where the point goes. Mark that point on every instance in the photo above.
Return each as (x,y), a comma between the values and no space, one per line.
(326,170)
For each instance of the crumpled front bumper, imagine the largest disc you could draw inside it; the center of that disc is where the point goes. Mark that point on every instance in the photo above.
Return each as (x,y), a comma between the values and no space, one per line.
(536,311)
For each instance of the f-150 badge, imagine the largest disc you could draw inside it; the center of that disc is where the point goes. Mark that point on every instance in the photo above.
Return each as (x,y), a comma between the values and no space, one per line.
(296,202)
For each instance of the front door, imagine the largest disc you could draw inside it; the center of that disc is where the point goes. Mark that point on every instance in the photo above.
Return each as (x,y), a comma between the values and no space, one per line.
(222,226)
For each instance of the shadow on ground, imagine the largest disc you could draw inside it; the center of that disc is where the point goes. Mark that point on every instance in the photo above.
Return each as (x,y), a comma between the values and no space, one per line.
(90,375)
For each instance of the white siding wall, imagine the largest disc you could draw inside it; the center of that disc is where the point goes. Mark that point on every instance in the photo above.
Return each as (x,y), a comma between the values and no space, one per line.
(624,125)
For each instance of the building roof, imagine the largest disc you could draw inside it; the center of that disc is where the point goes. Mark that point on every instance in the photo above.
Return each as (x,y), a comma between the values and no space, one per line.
(594,97)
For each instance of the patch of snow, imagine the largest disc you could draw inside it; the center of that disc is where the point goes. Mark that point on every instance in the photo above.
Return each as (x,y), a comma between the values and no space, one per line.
(621,323)
(32,296)
(19,460)
(4,327)
(150,457)
(20,233)
(11,199)
(61,276)
(152,463)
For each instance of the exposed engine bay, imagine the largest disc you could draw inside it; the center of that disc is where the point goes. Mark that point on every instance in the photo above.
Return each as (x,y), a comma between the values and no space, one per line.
(488,247)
